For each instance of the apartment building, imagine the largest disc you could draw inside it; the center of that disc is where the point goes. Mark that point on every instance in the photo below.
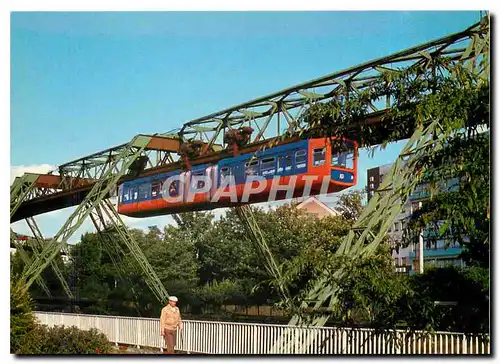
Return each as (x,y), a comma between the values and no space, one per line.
(437,253)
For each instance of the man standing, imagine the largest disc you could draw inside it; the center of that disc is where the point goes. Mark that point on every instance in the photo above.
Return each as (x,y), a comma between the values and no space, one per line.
(170,320)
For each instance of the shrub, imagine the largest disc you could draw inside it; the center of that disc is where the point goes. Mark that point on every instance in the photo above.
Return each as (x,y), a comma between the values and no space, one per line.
(65,340)
(22,320)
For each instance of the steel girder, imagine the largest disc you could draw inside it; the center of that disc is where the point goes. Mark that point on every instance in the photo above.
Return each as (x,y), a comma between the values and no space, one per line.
(106,218)
(27,261)
(158,151)
(252,228)
(369,230)
(40,240)
(279,114)
(378,216)
(20,190)
(109,176)
(112,249)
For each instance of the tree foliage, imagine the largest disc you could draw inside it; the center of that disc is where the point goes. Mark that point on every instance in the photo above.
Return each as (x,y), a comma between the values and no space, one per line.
(22,320)
(60,340)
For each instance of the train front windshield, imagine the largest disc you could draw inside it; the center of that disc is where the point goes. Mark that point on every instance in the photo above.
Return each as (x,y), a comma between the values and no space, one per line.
(343,155)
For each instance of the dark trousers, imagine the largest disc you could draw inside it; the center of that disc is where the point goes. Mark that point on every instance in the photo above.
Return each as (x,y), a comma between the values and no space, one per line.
(170,339)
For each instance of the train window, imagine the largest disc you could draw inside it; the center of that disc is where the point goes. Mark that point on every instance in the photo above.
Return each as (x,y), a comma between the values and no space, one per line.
(344,160)
(135,193)
(225,172)
(284,163)
(196,181)
(300,158)
(319,157)
(144,191)
(173,189)
(267,166)
(155,189)
(126,194)
(252,168)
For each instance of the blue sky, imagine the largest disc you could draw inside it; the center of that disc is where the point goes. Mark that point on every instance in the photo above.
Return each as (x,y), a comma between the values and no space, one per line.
(82,82)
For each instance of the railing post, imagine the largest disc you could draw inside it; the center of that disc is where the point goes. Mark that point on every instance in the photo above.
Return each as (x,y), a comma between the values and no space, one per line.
(219,337)
(187,325)
(255,344)
(117,330)
(139,332)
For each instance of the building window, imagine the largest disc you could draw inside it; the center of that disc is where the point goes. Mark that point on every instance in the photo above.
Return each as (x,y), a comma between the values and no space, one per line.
(372,186)
(371,178)
(404,261)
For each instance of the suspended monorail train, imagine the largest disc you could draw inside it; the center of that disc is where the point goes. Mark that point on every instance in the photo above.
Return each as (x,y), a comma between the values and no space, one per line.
(307,167)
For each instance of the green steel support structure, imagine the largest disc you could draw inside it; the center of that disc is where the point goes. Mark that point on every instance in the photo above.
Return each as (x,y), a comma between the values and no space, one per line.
(20,190)
(112,171)
(27,261)
(39,238)
(252,228)
(111,221)
(112,248)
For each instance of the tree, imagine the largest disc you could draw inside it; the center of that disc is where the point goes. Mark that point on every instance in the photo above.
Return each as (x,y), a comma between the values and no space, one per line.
(22,320)
(350,204)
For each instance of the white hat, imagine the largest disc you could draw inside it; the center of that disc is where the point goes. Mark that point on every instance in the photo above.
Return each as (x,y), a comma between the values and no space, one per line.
(173,299)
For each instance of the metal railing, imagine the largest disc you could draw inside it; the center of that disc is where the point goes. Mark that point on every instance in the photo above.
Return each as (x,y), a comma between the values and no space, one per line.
(207,337)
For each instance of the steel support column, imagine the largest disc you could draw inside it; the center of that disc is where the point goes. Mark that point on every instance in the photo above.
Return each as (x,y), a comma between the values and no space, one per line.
(39,238)
(252,228)
(113,250)
(27,262)
(112,172)
(106,218)
(372,226)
